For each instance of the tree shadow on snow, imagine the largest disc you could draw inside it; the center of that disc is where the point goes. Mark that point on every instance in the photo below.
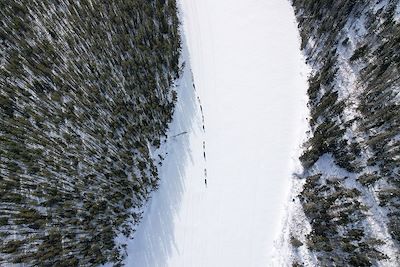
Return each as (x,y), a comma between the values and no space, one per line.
(154,239)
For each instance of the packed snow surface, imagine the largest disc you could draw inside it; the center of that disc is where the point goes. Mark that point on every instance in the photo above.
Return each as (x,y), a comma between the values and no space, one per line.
(250,87)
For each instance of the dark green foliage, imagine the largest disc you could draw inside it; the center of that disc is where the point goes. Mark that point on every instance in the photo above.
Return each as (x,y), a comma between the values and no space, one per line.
(368,179)
(85,90)
(324,140)
(11,246)
(389,195)
(331,209)
(359,53)
(394,225)
(297,264)
(356,121)
(295,242)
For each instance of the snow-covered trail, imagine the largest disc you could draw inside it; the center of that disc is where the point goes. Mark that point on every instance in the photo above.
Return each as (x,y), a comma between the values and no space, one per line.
(247,68)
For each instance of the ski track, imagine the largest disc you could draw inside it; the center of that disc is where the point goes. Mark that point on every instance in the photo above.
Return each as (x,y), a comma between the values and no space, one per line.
(246,78)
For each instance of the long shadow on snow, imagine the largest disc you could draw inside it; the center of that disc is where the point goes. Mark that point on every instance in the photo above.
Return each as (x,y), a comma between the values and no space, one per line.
(154,240)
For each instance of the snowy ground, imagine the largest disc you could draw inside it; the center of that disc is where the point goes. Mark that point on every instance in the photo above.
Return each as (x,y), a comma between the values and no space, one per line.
(247,69)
